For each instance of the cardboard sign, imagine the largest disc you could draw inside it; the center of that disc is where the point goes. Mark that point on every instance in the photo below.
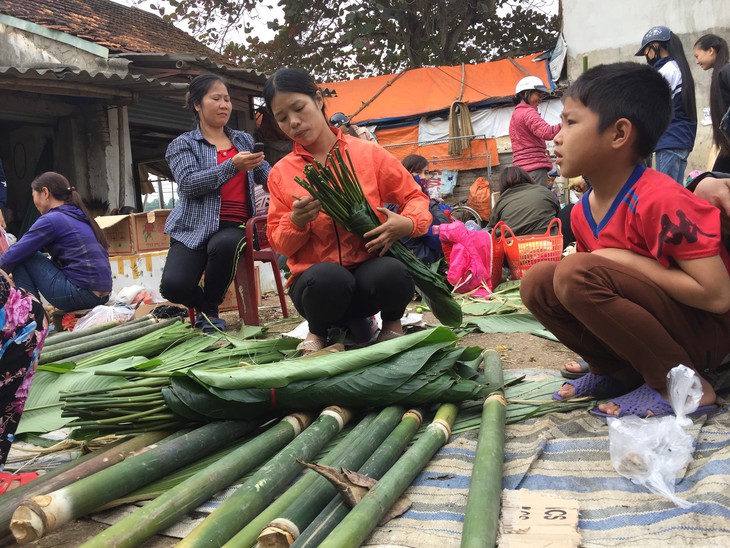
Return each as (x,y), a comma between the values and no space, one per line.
(530,520)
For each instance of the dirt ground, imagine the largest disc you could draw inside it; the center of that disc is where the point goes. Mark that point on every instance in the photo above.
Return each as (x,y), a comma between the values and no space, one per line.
(517,350)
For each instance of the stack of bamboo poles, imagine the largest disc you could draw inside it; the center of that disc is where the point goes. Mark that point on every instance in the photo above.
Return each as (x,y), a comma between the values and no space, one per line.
(181,470)
(265,459)
(375,446)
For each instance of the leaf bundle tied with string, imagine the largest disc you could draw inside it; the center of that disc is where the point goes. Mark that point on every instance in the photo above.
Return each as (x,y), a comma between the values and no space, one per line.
(337,187)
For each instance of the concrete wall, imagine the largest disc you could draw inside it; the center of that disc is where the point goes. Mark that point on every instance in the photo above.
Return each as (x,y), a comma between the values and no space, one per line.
(607,31)
(25,44)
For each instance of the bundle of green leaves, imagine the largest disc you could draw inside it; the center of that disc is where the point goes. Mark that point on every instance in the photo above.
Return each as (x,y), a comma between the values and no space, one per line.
(338,189)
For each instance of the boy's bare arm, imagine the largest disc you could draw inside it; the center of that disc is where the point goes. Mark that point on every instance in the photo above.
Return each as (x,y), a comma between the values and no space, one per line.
(715,191)
(700,283)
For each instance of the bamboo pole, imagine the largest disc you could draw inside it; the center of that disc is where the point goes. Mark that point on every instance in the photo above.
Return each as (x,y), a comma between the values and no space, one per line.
(481,519)
(261,488)
(67,336)
(306,498)
(377,465)
(363,518)
(74,348)
(73,471)
(42,514)
(169,508)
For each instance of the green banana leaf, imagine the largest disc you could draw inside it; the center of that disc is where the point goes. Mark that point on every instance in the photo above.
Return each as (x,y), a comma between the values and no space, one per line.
(374,385)
(42,411)
(509,323)
(488,308)
(279,374)
(201,402)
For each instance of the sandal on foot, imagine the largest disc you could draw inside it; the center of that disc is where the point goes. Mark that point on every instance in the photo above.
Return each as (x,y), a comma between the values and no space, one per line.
(595,386)
(210,325)
(387,335)
(576,374)
(646,402)
(9,481)
(311,345)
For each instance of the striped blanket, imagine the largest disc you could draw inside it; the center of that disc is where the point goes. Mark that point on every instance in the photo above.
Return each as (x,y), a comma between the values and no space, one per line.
(567,455)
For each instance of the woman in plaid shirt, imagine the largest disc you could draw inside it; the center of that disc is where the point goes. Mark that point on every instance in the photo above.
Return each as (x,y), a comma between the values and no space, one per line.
(215,169)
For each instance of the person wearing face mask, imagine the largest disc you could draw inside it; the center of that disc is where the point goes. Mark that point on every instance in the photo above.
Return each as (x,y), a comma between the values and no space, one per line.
(336,276)
(215,169)
(663,51)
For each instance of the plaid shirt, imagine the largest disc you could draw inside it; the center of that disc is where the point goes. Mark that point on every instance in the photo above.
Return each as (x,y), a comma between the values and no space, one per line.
(199,177)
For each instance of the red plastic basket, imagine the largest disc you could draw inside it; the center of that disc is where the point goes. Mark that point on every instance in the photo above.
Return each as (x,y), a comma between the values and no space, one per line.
(521,252)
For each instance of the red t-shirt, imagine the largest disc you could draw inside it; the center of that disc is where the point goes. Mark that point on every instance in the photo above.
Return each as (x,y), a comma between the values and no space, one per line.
(655,217)
(234,192)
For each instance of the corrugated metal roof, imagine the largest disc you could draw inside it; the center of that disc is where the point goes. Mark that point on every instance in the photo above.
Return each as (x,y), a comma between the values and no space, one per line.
(185,61)
(45,77)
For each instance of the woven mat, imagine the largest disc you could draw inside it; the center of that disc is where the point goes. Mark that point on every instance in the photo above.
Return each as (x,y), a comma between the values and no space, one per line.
(565,455)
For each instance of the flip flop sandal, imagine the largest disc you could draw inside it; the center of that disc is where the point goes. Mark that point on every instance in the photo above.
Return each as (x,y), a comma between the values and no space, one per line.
(213,325)
(210,325)
(10,481)
(595,386)
(576,375)
(646,402)
(311,345)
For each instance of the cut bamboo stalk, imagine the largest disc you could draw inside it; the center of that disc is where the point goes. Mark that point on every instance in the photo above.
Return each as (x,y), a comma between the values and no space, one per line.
(97,343)
(481,519)
(38,516)
(254,495)
(363,518)
(73,471)
(306,498)
(170,507)
(66,336)
(248,535)
(377,465)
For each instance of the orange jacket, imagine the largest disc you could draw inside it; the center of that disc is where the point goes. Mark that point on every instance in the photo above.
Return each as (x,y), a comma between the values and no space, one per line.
(384,180)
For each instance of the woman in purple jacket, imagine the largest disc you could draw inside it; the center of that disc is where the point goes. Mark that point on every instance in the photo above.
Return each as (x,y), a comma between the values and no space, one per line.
(528,131)
(78,274)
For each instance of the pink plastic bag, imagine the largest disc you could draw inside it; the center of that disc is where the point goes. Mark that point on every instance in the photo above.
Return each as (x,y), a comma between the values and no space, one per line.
(474,262)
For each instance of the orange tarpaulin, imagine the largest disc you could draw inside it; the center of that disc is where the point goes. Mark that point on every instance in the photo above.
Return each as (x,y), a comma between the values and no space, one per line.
(403,141)
(426,90)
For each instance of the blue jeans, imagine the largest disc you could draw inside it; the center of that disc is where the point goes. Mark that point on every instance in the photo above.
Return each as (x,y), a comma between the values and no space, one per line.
(38,275)
(673,162)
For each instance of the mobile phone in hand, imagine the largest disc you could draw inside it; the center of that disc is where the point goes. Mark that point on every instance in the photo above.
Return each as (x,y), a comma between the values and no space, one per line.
(258,147)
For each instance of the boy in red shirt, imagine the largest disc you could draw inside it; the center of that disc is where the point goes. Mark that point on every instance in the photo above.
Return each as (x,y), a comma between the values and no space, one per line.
(649,287)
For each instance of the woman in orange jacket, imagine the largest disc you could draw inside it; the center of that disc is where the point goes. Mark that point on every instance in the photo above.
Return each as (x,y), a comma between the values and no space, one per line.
(337,277)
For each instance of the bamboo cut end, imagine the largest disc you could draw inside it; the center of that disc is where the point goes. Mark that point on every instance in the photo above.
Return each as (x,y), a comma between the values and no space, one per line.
(340,414)
(414,414)
(29,521)
(299,421)
(443,426)
(496,396)
(280,533)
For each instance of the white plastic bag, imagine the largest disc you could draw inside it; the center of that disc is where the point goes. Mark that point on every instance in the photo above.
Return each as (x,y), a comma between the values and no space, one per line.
(102,314)
(650,452)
